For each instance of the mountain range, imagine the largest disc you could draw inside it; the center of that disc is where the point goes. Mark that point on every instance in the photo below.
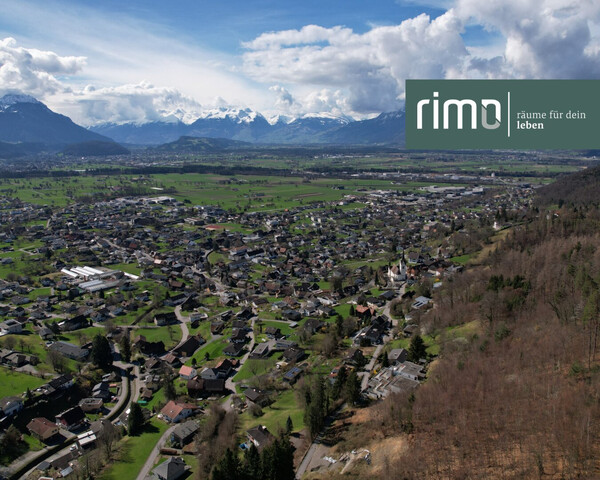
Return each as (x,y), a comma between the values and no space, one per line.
(27,125)
(247,126)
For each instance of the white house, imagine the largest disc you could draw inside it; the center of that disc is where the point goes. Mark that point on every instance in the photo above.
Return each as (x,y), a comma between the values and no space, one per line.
(11,405)
(187,373)
(10,326)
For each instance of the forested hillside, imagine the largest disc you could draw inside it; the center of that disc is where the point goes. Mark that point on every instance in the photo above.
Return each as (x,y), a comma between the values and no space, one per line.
(519,398)
(581,188)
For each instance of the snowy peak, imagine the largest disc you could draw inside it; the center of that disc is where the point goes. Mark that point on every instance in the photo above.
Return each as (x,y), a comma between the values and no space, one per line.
(14,98)
(238,115)
(328,116)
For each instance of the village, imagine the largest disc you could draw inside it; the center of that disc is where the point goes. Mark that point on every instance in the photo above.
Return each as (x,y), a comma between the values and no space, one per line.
(200,305)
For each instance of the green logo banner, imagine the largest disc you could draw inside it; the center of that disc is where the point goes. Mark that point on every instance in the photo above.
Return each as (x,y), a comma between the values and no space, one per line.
(504,114)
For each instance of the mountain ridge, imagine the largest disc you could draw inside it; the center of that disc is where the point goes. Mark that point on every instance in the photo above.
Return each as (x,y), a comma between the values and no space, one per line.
(23,119)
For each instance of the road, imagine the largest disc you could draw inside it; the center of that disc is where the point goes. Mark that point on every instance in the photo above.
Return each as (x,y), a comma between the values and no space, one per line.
(369,367)
(306,460)
(183,321)
(229,383)
(149,464)
(308,456)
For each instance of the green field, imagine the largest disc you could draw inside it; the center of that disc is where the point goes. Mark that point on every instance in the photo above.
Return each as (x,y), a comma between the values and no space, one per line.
(133,452)
(275,415)
(169,335)
(16,383)
(254,367)
(239,193)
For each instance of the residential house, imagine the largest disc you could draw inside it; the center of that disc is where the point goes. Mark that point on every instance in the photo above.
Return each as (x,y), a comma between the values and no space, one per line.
(75,323)
(91,405)
(283,344)
(175,412)
(397,355)
(167,318)
(11,405)
(153,364)
(411,371)
(205,387)
(256,397)
(233,349)
(11,326)
(71,418)
(239,336)
(292,375)
(102,390)
(273,332)
(172,469)
(293,354)
(184,433)
(172,360)
(189,347)
(69,350)
(260,436)
(260,351)
(187,373)
(148,348)
(355,357)
(225,367)
(42,428)
(420,302)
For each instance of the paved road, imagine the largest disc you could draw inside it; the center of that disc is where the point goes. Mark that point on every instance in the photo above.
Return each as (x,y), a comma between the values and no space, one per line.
(149,464)
(229,383)
(369,367)
(183,321)
(308,456)
(306,460)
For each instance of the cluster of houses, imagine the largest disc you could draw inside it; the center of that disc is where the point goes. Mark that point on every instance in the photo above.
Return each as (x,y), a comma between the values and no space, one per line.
(291,264)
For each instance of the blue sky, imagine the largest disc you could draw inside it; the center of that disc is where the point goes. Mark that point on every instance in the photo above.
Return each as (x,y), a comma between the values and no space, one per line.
(111,60)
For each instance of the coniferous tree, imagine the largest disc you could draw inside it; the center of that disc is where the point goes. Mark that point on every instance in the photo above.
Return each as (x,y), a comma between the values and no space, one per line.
(168,387)
(289,425)
(417,349)
(339,383)
(253,463)
(101,352)
(228,468)
(352,388)
(135,421)
(125,347)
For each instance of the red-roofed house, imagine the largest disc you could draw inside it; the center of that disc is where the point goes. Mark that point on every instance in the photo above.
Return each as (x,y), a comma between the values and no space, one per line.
(187,373)
(175,412)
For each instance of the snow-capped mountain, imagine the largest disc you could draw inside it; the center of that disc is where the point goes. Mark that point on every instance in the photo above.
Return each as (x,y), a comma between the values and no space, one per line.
(246,125)
(238,115)
(13,98)
(25,119)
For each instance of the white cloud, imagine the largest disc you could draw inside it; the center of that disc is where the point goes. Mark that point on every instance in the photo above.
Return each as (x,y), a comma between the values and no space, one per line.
(139,103)
(34,71)
(368,68)
(544,38)
(122,51)
(538,39)
(284,101)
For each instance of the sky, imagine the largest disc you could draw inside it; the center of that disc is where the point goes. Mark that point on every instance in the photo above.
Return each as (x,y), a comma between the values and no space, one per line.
(137,61)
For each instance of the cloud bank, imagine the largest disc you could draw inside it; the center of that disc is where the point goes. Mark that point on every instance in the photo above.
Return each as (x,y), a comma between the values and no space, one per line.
(539,39)
(305,70)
